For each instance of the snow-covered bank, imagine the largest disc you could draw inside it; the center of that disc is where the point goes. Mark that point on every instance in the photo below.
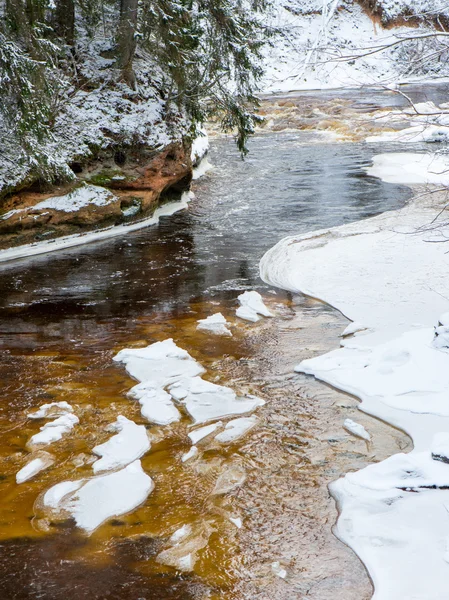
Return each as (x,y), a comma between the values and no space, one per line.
(385,274)
(70,241)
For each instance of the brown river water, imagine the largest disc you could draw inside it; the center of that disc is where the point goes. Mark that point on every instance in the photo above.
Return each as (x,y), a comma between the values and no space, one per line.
(64,316)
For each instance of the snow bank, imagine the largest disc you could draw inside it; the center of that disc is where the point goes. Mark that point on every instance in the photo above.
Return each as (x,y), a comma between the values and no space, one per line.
(91,502)
(130,443)
(411,168)
(71,241)
(384,273)
(251,306)
(215,324)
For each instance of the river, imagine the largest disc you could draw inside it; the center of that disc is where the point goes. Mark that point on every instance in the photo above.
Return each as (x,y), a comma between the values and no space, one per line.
(65,315)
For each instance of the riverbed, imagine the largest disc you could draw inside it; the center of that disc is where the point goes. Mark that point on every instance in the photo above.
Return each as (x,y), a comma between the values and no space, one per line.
(65,315)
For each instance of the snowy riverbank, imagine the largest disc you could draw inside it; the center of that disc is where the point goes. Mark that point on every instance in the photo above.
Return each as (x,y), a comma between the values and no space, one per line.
(390,279)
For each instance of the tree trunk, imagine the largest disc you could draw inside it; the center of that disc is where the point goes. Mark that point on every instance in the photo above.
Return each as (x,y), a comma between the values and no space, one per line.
(64,23)
(127,40)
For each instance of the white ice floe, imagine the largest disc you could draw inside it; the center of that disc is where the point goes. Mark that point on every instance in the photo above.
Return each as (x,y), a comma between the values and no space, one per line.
(156,404)
(54,430)
(278,570)
(356,429)
(207,401)
(215,324)
(236,429)
(79,239)
(130,443)
(164,367)
(199,434)
(192,453)
(237,521)
(384,273)
(91,502)
(184,546)
(353,328)
(35,466)
(180,534)
(160,363)
(52,410)
(251,306)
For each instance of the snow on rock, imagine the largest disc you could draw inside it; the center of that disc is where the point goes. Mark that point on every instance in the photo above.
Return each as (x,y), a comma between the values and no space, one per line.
(161,363)
(353,328)
(156,405)
(441,338)
(207,401)
(52,410)
(215,324)
(393,514)
(356,429)
(35,466)
(251,306)
(236,429)
(91,502)
(54,430)
(192,453)
(199,434)
(78,198)
(130,443)
(80,239)
(200,147)
(440,447)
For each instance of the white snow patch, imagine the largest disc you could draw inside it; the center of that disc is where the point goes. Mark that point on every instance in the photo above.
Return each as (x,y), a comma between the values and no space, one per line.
(411,168)
(356,429)
(130,443)
(215,324)
(252,305)
(236,429)
(80,197)
(237,521)
(180,534)
(91,502)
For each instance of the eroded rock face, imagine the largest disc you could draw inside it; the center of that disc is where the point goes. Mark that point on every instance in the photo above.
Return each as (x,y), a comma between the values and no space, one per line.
(114,190)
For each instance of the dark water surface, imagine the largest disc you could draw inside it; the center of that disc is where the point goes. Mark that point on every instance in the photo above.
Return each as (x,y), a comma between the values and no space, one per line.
(289,183)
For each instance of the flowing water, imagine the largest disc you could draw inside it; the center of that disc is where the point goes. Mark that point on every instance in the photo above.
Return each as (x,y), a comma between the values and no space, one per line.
(64,316)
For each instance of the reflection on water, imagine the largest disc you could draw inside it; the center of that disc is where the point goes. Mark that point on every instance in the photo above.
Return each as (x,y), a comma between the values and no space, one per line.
(64,315)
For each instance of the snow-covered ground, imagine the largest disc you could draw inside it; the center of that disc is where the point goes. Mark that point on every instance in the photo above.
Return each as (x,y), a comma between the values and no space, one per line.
(388,275)
(320,41)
